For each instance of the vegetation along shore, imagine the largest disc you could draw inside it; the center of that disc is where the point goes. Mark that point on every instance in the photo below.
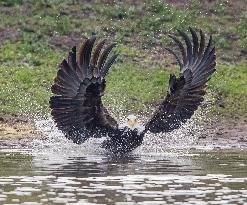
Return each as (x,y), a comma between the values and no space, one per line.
(35,36)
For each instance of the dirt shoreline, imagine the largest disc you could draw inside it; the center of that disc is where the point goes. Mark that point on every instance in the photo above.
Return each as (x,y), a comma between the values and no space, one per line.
(220,134)
(226,133)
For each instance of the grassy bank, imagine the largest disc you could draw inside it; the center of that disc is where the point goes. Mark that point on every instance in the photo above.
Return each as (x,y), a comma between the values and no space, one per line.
(36,35)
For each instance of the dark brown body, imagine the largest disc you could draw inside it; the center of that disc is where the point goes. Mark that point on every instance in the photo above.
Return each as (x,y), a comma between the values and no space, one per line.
(123,140)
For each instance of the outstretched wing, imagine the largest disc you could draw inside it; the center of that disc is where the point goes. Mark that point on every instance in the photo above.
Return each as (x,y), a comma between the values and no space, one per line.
(185,92)
(77,108)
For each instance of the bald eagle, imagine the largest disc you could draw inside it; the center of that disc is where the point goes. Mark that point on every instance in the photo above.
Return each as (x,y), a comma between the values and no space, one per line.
(77,107)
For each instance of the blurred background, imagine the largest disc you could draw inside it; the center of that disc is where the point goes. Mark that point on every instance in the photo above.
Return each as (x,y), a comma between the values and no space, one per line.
(35,36)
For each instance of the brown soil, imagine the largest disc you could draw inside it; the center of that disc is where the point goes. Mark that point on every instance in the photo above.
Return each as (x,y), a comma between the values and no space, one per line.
(8,34)
(66,42)
(17,135)
(230,133)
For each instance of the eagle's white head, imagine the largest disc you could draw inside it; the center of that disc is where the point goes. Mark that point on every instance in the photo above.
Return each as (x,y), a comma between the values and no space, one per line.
(132,122)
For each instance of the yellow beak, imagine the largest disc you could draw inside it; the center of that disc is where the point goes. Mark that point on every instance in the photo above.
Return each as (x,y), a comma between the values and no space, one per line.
(132,123)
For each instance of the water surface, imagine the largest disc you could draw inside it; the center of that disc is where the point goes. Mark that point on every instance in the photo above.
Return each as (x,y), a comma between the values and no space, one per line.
(164,170)
(98,178)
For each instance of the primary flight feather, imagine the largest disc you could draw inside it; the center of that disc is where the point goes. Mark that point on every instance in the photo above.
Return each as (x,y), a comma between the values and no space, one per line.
(77,108)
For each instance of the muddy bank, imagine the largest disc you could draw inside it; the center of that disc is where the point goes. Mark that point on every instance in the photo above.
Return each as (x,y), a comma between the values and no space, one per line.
(220,134)
(229,134)
(17,132)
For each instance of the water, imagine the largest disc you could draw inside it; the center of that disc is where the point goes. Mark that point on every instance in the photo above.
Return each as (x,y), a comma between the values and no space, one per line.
(167,178)
(55,171)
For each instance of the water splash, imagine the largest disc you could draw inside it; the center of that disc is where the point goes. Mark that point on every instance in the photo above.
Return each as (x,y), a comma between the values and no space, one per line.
(53,141)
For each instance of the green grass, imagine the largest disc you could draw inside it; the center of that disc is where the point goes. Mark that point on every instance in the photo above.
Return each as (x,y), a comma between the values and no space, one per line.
(26,79)
(35,45)
(132,89)
(229,86)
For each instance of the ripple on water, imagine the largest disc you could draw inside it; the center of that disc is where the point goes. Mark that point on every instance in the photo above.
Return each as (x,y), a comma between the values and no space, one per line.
(56,171)
(169,188)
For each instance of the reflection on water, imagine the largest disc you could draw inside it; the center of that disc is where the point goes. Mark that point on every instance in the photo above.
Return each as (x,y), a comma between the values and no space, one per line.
(52,177)
(162,171)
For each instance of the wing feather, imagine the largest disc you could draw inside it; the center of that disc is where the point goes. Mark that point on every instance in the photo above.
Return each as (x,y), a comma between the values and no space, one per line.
(72,59)
(96,56)
(188,45)
(105,69)
(186,92)
(181,47)
(104,55)
(76,107)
